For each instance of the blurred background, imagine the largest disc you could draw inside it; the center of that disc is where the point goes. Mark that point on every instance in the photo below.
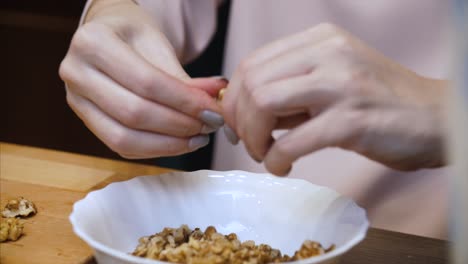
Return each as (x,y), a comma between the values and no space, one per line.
(35,36)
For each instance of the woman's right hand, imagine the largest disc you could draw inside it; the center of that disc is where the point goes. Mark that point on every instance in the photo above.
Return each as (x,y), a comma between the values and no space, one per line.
(125,82)
(330,89)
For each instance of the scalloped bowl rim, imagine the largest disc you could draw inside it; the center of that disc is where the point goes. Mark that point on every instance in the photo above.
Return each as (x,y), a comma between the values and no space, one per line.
(360,235)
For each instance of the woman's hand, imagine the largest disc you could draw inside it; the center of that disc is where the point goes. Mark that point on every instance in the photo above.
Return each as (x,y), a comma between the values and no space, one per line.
(125,82)
(331,90)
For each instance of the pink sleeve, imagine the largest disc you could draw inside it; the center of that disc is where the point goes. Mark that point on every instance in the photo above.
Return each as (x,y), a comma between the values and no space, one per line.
(188,24)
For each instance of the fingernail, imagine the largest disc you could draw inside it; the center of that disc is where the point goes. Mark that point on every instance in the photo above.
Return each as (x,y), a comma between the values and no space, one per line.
(211,118)
(208,129)
(231,135)
(199,142)
(220,77)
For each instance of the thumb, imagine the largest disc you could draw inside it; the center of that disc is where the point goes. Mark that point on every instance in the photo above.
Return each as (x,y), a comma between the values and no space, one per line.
(336,127)
(155,48)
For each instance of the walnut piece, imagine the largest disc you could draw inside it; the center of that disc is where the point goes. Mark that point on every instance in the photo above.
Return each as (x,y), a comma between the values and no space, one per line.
(10,229)
(183,245)
(19,207)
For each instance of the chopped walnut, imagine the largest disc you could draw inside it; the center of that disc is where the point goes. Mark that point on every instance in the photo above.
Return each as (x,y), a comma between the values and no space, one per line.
(19,207)
(10,229)
(183,245)
(310,248)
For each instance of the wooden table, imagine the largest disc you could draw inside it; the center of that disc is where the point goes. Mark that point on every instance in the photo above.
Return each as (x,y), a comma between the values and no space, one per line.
(55,180)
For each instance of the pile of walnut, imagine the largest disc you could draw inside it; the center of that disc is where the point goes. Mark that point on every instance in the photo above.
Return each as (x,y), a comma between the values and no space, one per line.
(11,228)
(182,245)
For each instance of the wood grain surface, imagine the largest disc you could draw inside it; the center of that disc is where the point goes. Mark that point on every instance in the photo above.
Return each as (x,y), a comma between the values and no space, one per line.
(55,180)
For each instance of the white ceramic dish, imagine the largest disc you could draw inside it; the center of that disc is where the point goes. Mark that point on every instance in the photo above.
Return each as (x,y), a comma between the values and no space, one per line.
(281,212)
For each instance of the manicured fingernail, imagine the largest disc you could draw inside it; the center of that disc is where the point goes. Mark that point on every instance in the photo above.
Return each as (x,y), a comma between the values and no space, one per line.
(208,129)
(230,135)
(221,78)
(211,118)
(199,142)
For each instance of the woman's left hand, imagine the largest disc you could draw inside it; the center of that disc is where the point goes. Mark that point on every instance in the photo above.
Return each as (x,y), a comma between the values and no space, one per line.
(332,90)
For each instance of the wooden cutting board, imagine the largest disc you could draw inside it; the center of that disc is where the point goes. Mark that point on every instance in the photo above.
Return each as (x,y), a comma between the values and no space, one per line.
(54,180)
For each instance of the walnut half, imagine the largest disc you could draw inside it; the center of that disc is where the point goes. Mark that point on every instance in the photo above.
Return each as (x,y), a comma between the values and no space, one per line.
(10,229)
(19,207)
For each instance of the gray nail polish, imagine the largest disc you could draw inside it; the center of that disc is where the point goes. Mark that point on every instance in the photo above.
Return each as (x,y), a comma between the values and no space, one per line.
(231,135)
(211,118)
(199,142)
(220,77)
(208,129)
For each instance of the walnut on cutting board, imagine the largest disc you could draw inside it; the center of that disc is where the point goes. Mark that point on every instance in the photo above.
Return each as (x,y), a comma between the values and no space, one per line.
(19,208)
(10,229)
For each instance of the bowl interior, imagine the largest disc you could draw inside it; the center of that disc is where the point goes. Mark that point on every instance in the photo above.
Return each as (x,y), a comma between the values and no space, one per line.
(278,211)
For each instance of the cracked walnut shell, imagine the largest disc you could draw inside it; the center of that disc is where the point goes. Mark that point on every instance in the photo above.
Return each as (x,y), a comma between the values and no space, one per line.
(19,207)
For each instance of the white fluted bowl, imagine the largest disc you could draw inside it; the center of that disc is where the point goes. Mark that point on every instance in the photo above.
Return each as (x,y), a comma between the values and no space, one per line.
(281,212)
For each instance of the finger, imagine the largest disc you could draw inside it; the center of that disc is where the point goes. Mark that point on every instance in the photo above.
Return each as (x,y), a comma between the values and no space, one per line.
(333,128)
(211,85)
(155,48)
(283,85)
(254,127)
(230,99)
(306,60)
(131,110)
(292,121)
(306,93)
(276,48)
(242,108)
(302,95)
(129,142)
(147,81)
(147,49)
(315,35)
